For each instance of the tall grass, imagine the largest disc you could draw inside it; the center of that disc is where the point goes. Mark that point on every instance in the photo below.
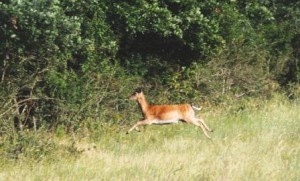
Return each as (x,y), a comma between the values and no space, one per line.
(258,141)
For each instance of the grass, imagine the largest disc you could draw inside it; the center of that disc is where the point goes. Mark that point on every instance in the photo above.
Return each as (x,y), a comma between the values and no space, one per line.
(257,142)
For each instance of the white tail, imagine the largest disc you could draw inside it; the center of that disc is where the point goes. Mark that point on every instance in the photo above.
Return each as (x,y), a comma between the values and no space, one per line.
(166,114)
(196,108)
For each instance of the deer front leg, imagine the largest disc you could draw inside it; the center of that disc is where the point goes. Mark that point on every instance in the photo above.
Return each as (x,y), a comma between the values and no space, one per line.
(136,126)
(132,128)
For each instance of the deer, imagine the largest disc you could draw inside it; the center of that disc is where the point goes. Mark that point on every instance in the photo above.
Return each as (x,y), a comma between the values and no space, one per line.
(166,114)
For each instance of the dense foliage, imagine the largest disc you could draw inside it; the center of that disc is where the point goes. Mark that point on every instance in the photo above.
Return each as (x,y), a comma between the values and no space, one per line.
(66,62)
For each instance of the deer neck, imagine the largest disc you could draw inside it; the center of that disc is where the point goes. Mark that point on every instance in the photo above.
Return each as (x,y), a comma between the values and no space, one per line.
(143,105)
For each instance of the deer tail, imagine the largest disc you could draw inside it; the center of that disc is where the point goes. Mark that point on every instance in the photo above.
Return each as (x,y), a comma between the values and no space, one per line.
(196,108)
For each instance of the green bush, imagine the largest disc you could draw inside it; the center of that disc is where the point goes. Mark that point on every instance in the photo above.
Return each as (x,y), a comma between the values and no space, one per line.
(66,62)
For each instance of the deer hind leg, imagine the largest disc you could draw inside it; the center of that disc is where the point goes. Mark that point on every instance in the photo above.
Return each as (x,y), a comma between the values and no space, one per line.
(199,124)
(203,123)
(136,125)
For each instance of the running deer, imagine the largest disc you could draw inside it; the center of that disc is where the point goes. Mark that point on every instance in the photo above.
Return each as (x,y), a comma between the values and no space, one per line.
(166,114)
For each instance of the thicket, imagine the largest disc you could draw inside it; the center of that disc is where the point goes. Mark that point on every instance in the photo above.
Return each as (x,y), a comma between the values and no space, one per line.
(69,65)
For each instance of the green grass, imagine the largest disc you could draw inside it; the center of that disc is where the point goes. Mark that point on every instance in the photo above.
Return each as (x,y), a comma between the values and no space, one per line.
(258,142)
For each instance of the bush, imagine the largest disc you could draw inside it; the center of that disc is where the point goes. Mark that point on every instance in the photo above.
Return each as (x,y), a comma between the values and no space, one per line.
(30,145)
(66,62)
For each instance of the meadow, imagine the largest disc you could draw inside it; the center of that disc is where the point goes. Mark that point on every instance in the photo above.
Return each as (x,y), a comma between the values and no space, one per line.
(258,141)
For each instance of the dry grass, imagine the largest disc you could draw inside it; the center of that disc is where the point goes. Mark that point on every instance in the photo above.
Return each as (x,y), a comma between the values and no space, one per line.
(257,143)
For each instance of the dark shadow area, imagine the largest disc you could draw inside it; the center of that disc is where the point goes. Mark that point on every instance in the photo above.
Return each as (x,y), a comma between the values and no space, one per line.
(171,49)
